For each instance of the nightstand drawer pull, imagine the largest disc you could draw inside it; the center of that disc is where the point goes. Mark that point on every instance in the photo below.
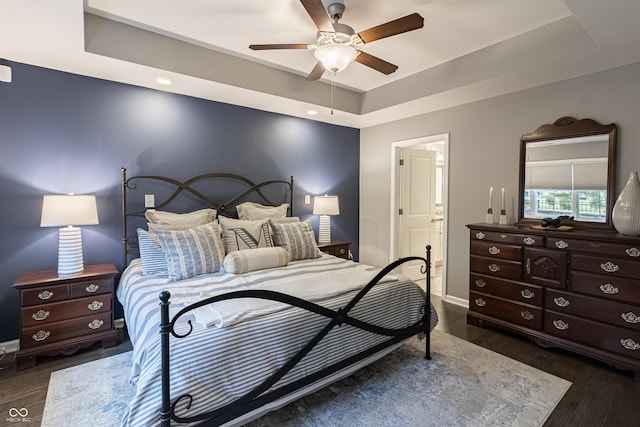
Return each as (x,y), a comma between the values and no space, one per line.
(527,315)
(560,324)
(609,289)
(480,283)
(480,235)
(561,302)
(96,305)
(526,293)
(41,335)
(92,288)
(609,267)
(494,250)
(480,302)
(634,252)
(630,317)
(40,315)
(96,324)
(494,268)
(561,244)
(45,295)
(529,240)
(630,344)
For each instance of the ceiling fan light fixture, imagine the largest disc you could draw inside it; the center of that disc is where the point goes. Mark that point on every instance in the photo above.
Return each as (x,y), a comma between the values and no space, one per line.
(335,57)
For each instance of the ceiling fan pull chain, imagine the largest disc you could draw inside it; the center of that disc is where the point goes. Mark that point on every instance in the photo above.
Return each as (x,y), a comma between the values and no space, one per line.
(333,89)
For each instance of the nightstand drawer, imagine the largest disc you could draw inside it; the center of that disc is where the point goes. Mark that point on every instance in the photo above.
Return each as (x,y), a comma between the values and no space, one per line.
(91,287)
(44,294)
(45,314)
(59,331)
(339,249)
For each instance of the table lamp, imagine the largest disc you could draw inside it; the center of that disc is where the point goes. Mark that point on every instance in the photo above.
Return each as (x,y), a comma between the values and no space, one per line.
(67,211)
(325,206)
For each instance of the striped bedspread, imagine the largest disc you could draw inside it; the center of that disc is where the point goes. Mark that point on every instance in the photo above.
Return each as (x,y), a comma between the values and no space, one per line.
(216,365)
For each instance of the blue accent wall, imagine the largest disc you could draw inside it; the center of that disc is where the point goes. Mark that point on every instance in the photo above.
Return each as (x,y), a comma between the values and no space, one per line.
(62,133)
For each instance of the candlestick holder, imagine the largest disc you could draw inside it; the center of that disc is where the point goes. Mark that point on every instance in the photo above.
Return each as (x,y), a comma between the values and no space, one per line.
(489,218)
(503,217)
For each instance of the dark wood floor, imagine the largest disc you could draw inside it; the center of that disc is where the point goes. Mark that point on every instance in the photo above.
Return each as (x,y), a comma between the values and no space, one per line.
(600,395)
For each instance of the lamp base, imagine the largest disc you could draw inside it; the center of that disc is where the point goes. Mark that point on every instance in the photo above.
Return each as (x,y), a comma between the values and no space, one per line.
(70,260)
(324,231)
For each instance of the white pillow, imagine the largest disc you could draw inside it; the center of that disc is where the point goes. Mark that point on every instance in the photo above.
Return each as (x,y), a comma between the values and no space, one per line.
(246,260)
(189,219)
(241,234)
(252,211)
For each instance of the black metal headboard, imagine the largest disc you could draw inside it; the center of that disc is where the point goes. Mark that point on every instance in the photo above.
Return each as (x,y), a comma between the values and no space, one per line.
(249,190)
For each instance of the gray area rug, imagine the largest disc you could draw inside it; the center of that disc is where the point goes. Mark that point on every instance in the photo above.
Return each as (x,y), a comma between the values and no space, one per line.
(463,385)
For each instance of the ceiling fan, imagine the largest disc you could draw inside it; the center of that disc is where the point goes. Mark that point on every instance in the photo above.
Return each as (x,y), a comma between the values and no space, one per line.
(335,46)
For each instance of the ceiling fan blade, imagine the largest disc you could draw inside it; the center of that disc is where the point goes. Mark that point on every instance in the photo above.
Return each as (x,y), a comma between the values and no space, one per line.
(317,72)
(277,46)
(391,28)
(318,14)
(376,63)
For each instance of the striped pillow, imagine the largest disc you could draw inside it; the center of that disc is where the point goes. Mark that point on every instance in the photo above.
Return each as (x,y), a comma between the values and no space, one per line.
(151,254)
(297,238)
(246,260)
(192,252)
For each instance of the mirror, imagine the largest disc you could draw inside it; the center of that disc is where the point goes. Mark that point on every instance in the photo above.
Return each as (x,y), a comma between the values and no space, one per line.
(568,168)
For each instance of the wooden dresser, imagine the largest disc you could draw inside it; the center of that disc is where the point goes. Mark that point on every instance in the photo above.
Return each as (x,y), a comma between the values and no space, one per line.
(577,290)
(60,315)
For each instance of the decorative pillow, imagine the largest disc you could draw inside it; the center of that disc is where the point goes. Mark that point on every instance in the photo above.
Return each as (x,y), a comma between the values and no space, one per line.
(151,254)
(192,252)
(285,219)
(168,227)
(189,219)
(253,211)
(240,234)
(245,260)
(297,238)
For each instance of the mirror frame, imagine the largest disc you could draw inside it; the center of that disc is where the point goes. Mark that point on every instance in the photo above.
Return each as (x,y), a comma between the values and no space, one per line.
(569,127)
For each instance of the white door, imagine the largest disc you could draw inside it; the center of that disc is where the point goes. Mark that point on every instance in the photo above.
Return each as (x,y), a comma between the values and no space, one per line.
(417,206)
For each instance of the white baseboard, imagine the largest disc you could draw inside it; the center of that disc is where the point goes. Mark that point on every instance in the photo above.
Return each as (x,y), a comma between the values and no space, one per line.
(457,301)
(10,346)
(119,323)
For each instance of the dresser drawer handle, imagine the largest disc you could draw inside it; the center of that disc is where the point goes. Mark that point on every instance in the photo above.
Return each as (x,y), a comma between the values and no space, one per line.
(480,302)
(96,305)
(95,324)
(92,288)
(609,289)
(45,295)
(504,236)
(529,240)
(561,244)
(494,250)
(528,265)
(40,315)
(480,283)
(634,252)
(480,235)
(561,302)
(494,268)
(560,324)
(630,344)
(526,315)
(526,293)
(41,335)
(609,267)
(630,317)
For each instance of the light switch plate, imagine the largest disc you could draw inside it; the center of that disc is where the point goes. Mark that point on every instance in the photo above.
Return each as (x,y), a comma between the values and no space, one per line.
(149,201)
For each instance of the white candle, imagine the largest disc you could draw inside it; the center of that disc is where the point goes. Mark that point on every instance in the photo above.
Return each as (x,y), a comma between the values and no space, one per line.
(490,196)
(502,206)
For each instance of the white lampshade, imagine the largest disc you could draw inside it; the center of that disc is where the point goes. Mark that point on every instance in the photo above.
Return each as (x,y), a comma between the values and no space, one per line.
(325,206)
(66,211)
(335,57)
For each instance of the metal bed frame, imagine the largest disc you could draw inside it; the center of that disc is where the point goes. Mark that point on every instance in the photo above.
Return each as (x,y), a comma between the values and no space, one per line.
(265,393)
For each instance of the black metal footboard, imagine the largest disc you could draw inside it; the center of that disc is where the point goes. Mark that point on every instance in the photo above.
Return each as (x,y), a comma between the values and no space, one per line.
(262,394)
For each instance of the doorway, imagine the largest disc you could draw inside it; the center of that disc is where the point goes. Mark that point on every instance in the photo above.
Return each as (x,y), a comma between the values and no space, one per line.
(419,204)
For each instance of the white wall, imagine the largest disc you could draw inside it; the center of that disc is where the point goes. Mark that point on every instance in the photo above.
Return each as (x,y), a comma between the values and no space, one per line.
(484,152)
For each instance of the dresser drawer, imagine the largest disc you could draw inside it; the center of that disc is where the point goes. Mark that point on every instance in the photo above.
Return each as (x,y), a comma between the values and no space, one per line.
(618,340)
(59,331)
(496,267)
(49,313)
(619,250)
(613,313)
(496,250)
(521,314)
(44,294)
(511,238)
(606,265)
(609,287)
(91,287)
(528,294)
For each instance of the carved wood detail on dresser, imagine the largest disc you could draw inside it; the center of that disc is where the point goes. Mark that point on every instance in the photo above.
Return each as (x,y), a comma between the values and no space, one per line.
(577,290)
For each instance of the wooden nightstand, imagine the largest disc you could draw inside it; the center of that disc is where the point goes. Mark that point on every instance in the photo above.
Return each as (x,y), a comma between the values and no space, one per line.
(61,315)
(336,248)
